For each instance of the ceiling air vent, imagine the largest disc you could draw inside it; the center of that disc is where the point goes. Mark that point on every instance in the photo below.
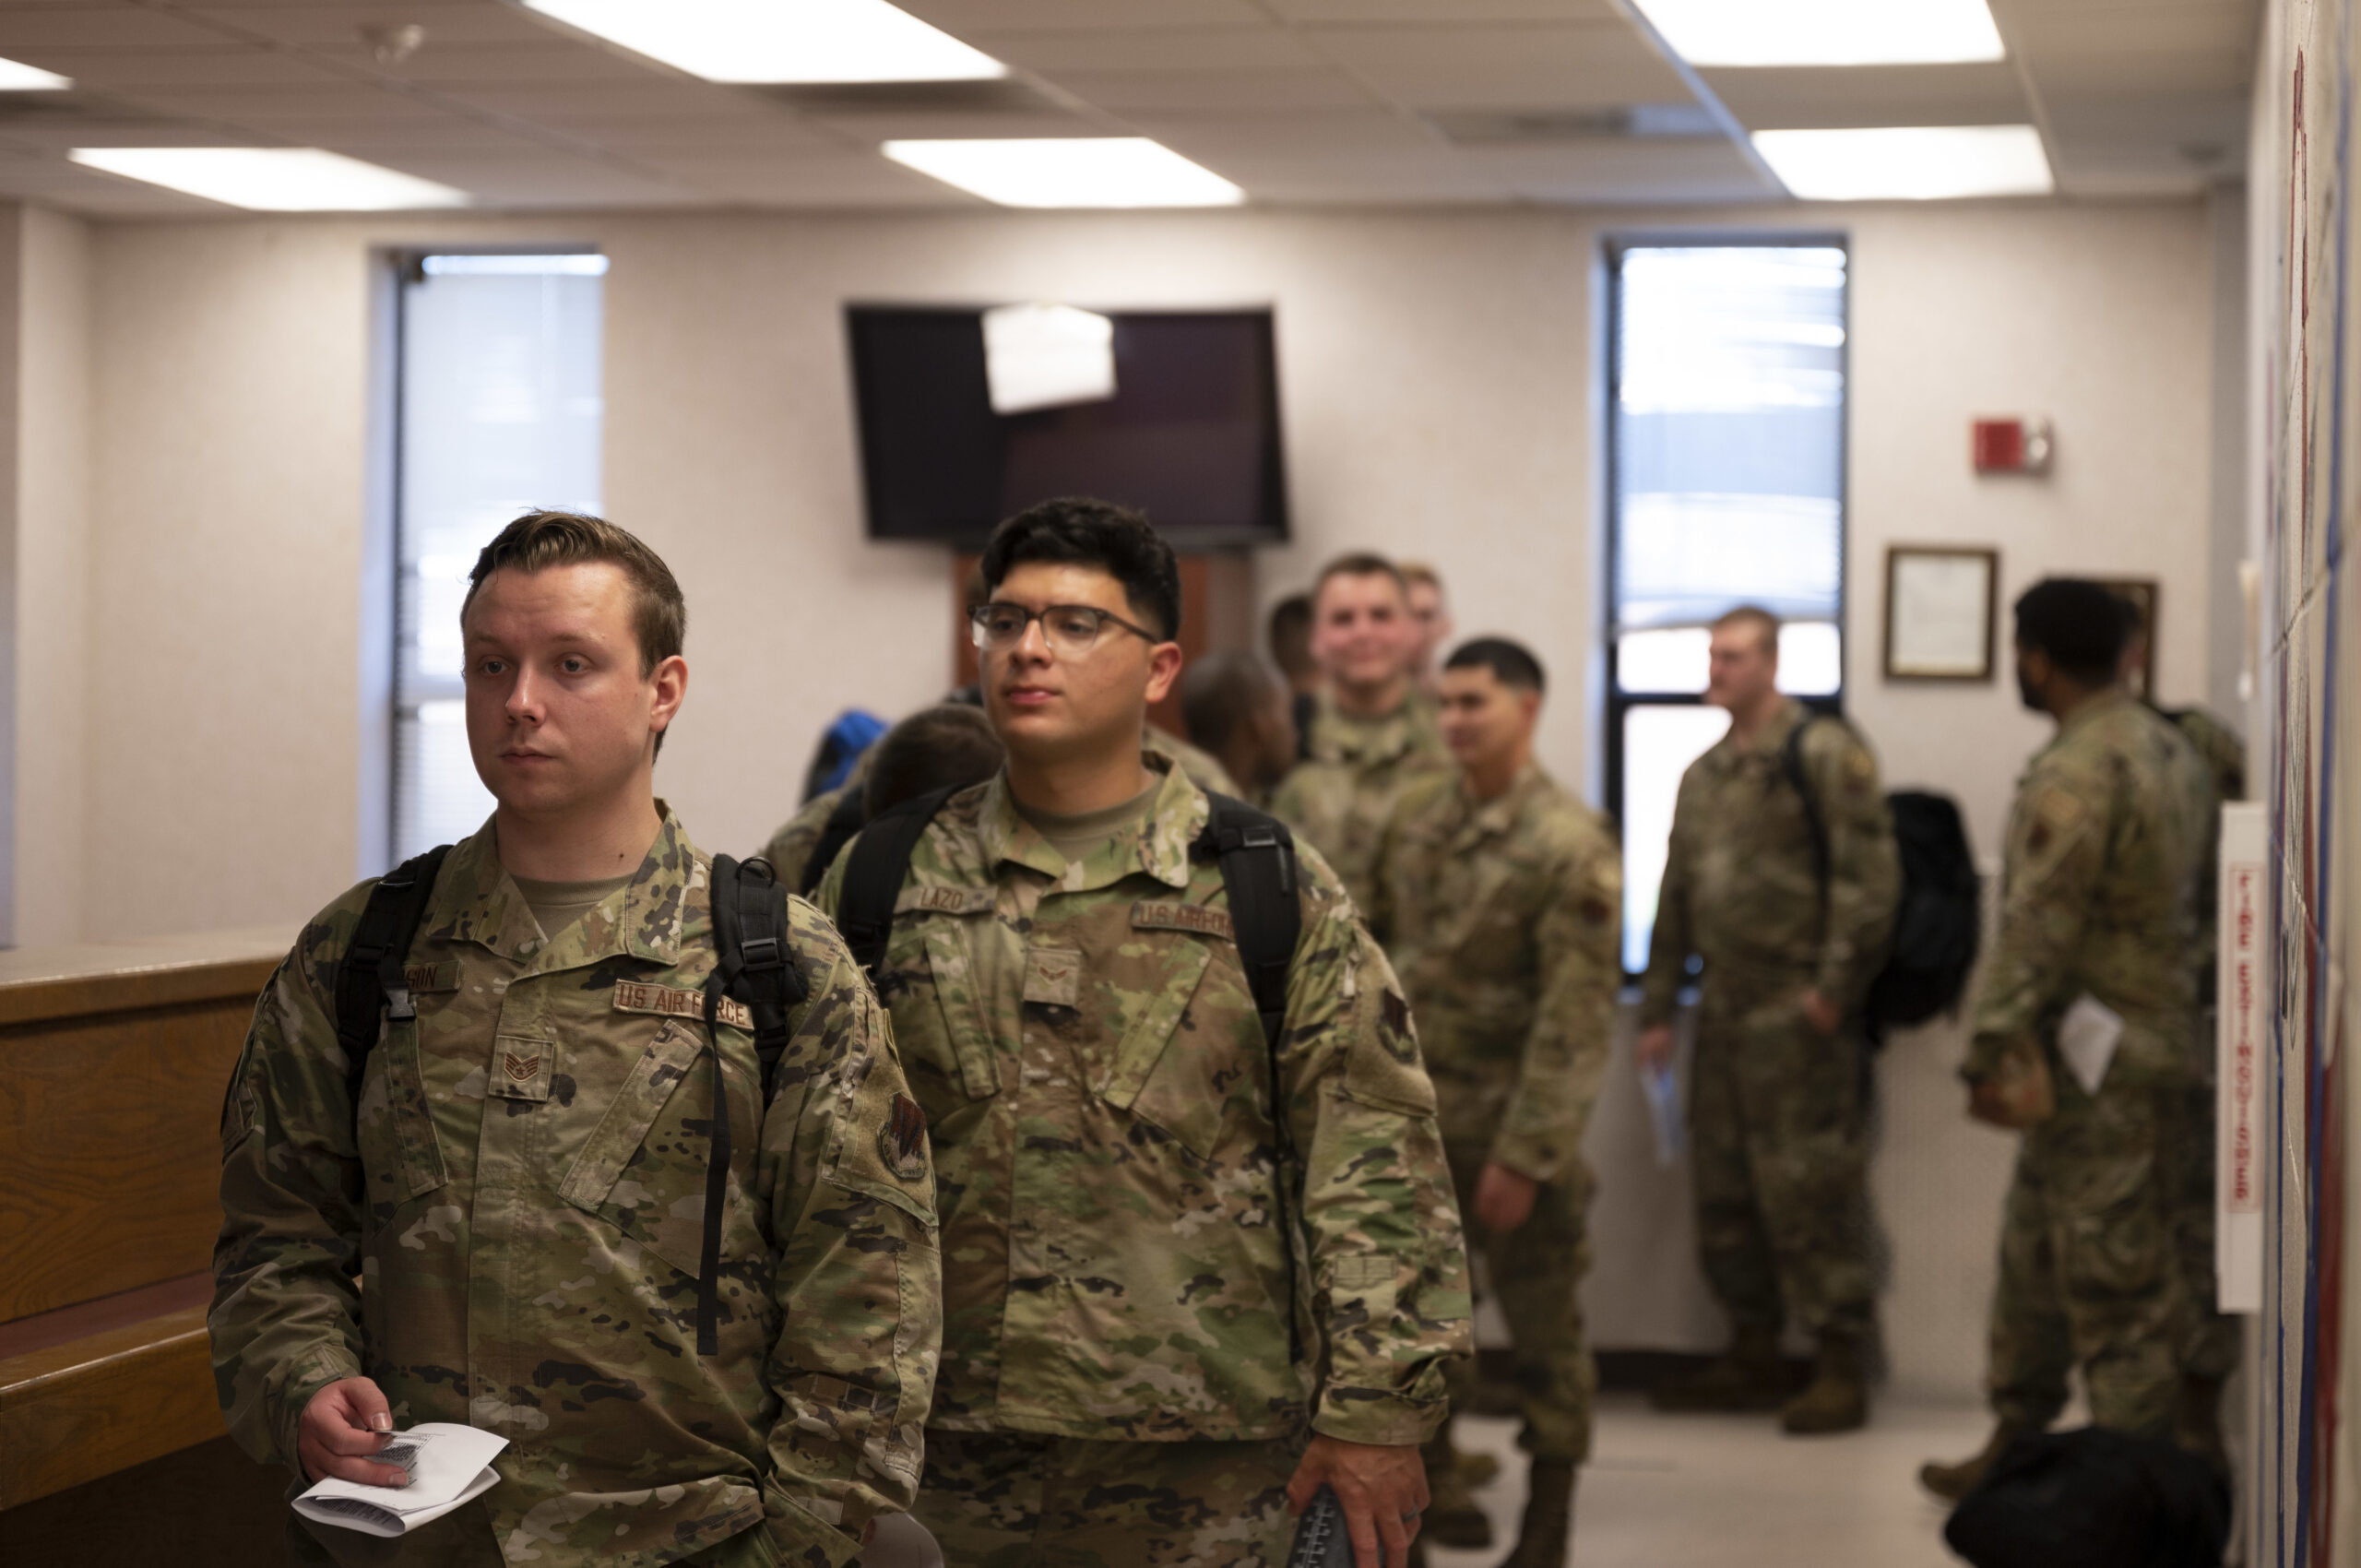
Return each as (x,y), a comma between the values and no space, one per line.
(1004,95)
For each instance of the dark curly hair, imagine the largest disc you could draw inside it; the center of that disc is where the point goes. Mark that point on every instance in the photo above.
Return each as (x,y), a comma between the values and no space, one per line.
(1077,531)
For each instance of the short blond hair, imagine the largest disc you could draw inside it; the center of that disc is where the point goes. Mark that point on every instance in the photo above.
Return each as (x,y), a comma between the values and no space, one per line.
(1418,572)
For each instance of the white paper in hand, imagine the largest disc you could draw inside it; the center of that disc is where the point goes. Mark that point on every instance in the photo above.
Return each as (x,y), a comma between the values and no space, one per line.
(1662,1088)
(448,1465)
(2086,1038)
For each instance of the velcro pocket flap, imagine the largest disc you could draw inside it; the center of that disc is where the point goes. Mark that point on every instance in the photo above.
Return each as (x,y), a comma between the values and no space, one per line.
(645,1204)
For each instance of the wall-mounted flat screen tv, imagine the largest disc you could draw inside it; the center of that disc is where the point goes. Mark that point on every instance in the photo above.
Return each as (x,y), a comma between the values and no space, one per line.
(1189,435)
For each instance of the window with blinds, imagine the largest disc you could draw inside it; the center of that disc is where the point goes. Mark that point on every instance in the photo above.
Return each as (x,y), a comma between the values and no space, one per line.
(1726,450)
(499,410)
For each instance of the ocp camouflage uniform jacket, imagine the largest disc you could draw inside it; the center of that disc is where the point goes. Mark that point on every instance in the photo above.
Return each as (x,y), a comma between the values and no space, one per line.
(1741,888)
(523,1198)
(1341,799)
(1086,1049)
(1501,917)
(2095,897)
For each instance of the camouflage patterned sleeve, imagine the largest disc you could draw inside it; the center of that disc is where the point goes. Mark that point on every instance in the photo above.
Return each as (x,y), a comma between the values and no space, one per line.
(1864,864)
(1565,1053)
(1388,1269)
(286,1316)
(2057,854)
(790,848)
(1672,940)
(859,1278)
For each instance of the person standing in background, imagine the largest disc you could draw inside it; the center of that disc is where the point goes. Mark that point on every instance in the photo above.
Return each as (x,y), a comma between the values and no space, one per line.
(1777,1088)
(1237,709)
(1372,732)
(1498,897)
(1290,633)
(1432,614)
(2082,1043)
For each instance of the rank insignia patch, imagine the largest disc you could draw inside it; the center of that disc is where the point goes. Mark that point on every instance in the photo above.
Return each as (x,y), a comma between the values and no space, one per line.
(902,1141)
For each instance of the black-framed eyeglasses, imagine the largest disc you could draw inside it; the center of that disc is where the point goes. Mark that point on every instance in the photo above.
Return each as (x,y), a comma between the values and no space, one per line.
(1071,630)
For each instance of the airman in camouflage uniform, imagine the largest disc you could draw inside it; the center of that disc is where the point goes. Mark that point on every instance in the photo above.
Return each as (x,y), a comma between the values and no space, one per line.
(1363,749)
(2094,903)
(1129,1269)
(1777,1114)
(520,1183)
(1500,897)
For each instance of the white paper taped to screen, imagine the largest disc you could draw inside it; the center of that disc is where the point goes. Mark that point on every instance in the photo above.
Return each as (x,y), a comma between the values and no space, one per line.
(1047,357)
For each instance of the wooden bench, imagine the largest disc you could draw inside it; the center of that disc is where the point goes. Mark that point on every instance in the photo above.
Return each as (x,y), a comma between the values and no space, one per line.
(112,1064)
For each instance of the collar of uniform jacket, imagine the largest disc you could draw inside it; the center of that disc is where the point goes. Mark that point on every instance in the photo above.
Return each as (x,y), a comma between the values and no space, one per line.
(1486,819)
(1767,739)
(1337,736)
(482,905)
(1171,824)
(2098,707)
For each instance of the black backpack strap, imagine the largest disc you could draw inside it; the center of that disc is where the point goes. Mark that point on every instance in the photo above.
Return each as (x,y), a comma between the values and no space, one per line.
(1257,857)
(752,966)
(1791,763)
(371,975)
(878,864)
(834,834)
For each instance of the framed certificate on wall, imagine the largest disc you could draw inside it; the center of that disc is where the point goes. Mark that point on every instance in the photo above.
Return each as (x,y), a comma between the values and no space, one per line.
(1939,609)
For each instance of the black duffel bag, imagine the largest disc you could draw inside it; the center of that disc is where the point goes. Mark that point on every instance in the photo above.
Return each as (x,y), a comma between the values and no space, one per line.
(2094,1499)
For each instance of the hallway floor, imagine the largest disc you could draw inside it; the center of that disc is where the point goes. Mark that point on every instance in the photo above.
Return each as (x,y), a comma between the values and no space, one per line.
(1725,1492)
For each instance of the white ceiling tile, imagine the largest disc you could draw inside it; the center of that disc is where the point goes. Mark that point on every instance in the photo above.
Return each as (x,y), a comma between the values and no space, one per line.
(821,180)
(1211,92)
(457,65)
(2147,71)
(101,26)
(226,65)
(973,18)
(654,97)
(748,136)
(1174,49)
(1873,95)
(524,174)
(1330,134)
(355,101)
(1504,67)
(336,24)
(1456,12)
(1645,169)
(951,125)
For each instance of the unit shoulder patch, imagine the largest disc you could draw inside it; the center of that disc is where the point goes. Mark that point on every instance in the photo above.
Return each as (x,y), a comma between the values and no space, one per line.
(668,1001)
(901,1142)
(1161,914)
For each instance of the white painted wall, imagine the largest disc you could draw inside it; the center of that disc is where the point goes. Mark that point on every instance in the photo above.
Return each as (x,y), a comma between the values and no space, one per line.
(51,599)
(1437,375)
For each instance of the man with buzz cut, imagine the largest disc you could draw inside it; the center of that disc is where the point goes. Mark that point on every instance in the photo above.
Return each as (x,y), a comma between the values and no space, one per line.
(1782,875)
(1373,731)
(1500,897)
(1202,1256)
(541,1167)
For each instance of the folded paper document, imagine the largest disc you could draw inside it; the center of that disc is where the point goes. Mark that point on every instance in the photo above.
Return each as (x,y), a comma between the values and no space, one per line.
(448,1465)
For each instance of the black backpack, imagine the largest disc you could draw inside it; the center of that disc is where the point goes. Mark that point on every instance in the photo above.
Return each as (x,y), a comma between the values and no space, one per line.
(750,940)
(1939,924)
(2094,1498)
(1257,857)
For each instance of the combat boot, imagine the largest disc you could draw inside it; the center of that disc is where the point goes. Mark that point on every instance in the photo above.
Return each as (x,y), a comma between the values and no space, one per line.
(1748,1376)
(1452,1518)
(1542,1539)
(1952,1482)
(1837,1400)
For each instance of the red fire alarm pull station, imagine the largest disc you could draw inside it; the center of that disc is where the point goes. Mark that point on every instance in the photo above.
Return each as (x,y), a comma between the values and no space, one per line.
(2011,446)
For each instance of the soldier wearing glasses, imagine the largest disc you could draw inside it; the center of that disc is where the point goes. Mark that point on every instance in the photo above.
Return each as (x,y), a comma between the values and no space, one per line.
(1121,1383)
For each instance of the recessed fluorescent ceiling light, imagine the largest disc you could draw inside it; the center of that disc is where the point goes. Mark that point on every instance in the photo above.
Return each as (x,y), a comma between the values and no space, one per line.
(1826,32)
(779,40)
(1069,172)
(18,78)
(1908,163)
(272,179)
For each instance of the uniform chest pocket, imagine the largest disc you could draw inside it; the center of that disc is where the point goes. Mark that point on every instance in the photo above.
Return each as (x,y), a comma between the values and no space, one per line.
(392,1124)
(947,1048)
(643,1169)
(1181,1062)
